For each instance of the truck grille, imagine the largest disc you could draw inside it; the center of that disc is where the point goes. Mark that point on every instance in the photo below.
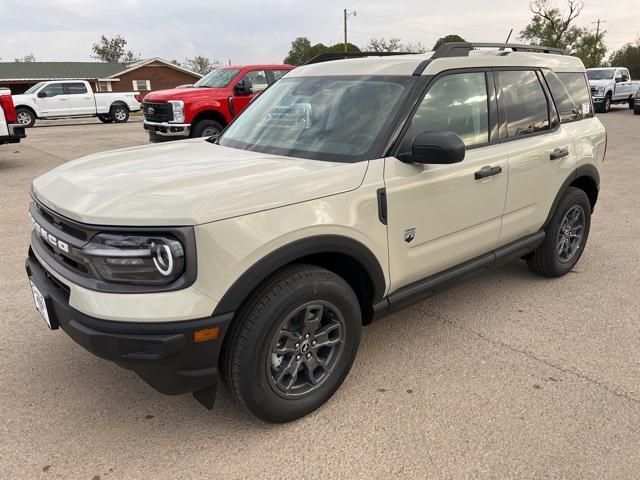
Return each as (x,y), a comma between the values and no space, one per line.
(593,90)
(157,112)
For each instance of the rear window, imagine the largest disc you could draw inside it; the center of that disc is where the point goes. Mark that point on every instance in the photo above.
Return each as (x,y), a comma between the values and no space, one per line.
(525,104)
(571,95)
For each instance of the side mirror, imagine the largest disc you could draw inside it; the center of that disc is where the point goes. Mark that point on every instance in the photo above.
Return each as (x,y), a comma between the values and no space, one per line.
(243,87)
(42,94)
(437,148)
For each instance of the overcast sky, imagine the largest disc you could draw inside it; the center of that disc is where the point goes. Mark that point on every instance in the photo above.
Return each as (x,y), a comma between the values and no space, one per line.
(255,31)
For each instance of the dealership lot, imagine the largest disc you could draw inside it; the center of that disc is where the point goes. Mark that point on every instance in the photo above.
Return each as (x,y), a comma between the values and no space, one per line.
(505,375)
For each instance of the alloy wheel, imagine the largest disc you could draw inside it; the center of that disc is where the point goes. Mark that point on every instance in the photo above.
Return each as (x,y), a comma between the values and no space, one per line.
(210,132)
(24,118)
(570,234)
(120,114)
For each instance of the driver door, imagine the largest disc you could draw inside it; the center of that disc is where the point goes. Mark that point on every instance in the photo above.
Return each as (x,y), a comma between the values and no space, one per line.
(56,101)
(258,81)
(440,216)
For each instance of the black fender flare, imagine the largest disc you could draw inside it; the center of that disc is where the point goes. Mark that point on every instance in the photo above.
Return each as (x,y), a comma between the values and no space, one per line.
(587,170)
(289,253)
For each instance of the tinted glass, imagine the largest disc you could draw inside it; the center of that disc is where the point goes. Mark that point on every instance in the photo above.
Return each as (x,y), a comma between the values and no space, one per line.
(258,79)
(75,88)
(455,103)
(279,73)
(219,78)
(53,90)
(337,118)
(525,104)
(570,94)
(600,74)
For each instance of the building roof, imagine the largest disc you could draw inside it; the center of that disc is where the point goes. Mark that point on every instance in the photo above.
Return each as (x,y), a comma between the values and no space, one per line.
(74,70)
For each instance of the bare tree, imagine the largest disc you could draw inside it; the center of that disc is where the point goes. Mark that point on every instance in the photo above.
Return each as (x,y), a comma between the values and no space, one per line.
(383,45)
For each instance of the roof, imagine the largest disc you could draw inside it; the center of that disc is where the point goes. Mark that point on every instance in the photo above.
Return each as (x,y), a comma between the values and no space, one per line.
(38,71)
(407,64)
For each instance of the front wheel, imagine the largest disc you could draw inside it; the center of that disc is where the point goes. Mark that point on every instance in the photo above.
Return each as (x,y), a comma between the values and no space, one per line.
(566,236)
(206,128)
(25,117)
(293,343)
(606,105)
(119,113)
(105,118)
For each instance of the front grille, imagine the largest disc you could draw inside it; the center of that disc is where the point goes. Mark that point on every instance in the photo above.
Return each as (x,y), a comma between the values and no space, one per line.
(593,90)
(157,112)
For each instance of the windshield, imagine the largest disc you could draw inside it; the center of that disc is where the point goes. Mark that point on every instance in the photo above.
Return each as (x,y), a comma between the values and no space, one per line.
(606,74)
(338,118)
(34,88)
(219,78)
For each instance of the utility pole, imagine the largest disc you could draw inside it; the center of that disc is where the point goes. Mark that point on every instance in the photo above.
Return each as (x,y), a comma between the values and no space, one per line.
(347,15)
(595,44)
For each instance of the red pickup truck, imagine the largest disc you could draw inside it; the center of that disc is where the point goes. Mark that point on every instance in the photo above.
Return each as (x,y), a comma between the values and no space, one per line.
(204,109)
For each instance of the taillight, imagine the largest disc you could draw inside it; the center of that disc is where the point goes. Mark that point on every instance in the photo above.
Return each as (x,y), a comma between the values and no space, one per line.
(6,102)
(137,97)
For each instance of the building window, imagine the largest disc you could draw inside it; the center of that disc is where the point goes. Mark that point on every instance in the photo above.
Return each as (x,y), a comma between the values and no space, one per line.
(104,86)
(142,85)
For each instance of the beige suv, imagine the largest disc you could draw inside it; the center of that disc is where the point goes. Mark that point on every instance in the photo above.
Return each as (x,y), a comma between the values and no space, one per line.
(347,190)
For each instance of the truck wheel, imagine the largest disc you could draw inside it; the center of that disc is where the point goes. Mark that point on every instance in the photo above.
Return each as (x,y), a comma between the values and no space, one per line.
(105,118)
(293,343)
(636,110)
(632,103)
(206,128)
(25,117)
(119,114)
(566,236)
(606,104)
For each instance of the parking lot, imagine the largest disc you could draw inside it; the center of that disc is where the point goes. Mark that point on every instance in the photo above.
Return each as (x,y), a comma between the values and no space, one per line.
(507,375)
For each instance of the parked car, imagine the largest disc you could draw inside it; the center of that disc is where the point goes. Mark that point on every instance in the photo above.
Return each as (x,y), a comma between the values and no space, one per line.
(609,86)
(10,130)
(73,98)
(207,107)
(346,191)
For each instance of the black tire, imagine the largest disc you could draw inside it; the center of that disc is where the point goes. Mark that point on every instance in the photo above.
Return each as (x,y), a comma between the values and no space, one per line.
(547,258)
(105,118)
(119,113)
(606,104)
(632,103)
(26,113)
(248,356)
(206,128)
(636,110)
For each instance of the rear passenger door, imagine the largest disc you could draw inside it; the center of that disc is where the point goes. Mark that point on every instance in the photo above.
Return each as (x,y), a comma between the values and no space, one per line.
(541,151)
(80,99)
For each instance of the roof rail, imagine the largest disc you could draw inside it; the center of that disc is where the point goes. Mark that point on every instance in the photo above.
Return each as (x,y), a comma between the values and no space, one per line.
(462,49)
(329,56)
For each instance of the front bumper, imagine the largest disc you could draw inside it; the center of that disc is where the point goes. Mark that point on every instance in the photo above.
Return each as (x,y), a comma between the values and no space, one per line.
(166,129)
(164,355)
(15,133)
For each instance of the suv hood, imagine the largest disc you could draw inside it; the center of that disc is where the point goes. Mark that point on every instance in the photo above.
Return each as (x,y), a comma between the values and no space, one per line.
(185,93)
(188,182)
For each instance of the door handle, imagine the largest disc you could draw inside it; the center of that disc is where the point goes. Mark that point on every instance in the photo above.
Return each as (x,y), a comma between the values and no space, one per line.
(559,153)
(487,172)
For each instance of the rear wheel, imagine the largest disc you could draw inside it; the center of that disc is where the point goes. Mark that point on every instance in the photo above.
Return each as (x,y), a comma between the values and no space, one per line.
(119,113)
(632,103)
(105,118)
(566,236)
(25,117)
(293,343)
(206,128)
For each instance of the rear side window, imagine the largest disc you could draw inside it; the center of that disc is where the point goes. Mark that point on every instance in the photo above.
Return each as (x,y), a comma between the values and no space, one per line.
(524,103)
(570,94)
(75,88)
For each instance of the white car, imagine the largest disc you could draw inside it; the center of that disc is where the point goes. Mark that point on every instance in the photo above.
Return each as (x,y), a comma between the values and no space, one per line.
(609,86)
(10,130)
(347,190)
(73,98)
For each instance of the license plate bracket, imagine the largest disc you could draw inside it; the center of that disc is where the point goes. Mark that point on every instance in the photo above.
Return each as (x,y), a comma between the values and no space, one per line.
(44,306)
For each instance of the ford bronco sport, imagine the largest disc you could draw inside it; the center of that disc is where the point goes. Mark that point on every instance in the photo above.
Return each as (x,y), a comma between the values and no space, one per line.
(347,190)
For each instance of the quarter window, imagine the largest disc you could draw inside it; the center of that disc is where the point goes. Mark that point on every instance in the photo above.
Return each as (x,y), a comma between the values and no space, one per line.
(75,88)
(455,103)
(525,104)
(279,73)
(571,95)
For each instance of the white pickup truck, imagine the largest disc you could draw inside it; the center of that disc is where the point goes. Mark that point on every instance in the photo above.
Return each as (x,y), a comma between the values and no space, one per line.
(610,85)
(10,130)
(73,98)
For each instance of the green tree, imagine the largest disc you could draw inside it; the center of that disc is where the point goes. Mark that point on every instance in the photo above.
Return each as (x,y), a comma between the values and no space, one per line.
(200,64)
(302,51)
(629,57)
(591,49)
(113,50)
(447,39)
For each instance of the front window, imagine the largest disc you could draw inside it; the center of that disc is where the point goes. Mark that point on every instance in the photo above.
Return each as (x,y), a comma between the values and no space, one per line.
(53,90)
(258,79)
(337,118)
(605,74)
(35,88)
(219,78)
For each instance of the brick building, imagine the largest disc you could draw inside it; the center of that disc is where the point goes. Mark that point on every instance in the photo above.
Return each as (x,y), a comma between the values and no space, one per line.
(143,76)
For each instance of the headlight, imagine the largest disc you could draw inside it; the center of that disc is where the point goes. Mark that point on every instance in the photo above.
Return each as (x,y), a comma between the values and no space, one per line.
(600,90)
(178,110)
(139,259)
